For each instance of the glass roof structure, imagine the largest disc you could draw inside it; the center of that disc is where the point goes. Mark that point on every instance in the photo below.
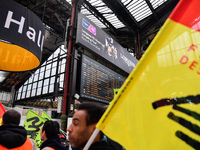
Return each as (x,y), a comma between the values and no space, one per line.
(139,9)
(101,7)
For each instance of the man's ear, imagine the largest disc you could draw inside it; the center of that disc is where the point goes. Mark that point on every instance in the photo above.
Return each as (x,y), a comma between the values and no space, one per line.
(44,135)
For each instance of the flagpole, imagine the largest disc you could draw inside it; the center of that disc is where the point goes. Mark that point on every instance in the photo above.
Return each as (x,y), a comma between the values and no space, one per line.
(93,136)
(64,133)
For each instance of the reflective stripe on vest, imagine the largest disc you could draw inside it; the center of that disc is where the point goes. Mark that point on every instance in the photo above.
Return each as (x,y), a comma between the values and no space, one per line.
(48,148)
(33,144)
(28,145)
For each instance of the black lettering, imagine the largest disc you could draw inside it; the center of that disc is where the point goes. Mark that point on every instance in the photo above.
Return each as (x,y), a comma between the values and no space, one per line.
(192,127)
(33,133)
(175,101)
(192,142)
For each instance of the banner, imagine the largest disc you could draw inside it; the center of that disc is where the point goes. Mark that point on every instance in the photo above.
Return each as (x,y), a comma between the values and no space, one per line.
(45,116)
(21,37)
(32,124)
(158,106)
(2,111)
(96,40)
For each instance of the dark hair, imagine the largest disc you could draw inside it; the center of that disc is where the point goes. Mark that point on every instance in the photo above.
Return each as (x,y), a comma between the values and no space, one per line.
(94,111)
(11,117)
(51,128)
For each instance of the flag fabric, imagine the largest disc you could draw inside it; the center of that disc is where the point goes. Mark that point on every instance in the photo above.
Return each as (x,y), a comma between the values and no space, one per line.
(32,124)
(158,105)
(44,115)
(2,111)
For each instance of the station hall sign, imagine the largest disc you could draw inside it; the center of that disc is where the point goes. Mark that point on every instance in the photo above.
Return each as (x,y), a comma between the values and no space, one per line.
(21,37)
(96,40)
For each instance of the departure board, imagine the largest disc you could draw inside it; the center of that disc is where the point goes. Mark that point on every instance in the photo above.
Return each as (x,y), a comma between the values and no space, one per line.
(97,81)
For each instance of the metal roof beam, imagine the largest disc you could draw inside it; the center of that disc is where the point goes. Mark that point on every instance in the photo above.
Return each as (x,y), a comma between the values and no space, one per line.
(98,15)
(123,14)
(152,9)
(164,11)
(39,5)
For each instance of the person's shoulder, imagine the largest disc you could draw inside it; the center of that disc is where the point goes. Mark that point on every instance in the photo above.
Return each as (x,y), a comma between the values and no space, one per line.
(101,145)
(48,148)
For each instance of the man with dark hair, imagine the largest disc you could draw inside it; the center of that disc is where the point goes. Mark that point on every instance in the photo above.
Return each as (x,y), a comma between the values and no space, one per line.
(13,136)
(83,125)
(49,135)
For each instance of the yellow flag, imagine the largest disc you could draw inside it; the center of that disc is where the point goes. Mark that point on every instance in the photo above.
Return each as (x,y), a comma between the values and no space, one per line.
(158,107)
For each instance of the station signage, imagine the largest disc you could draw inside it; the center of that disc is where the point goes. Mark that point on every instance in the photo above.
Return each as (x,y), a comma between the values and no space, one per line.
(21,37)
(96,40)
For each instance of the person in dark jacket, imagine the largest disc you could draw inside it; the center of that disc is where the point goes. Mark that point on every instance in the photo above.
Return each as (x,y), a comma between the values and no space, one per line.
(83,125)
(13,136)
(49,135)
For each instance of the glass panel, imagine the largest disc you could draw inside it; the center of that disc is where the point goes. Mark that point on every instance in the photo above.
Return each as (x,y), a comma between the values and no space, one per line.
(39,90)
(40,84)
(54,64)
(28,94)
(63,68)
(35,77)
(47,73)
(62,77)
(29,87)
(18,96)
(24,88)
(53,71)
(41,76)
(33,92)
(30,79)
(20,89)
(52,80)
(46,82)
(45,89)
(48,67)
(23,95)
(42,69)
(61,85)
(51,88)
(34,85)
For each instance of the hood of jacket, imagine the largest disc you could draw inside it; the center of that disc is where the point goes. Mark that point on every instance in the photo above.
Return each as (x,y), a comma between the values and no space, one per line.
(53,142)
(12,136)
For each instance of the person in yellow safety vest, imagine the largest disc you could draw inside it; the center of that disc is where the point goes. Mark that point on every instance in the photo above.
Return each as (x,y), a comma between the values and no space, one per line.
(13,136)
(49,135)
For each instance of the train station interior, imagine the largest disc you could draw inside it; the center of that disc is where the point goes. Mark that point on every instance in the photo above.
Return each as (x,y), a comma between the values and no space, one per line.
(133,24)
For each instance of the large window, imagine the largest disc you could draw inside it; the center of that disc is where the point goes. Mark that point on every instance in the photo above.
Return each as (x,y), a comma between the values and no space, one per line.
(43,80)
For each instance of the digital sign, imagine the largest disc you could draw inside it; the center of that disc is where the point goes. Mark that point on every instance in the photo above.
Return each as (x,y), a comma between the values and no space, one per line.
(97,41)
(97,81)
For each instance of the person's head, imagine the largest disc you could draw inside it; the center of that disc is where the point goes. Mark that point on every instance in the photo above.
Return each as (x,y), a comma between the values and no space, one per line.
(84,123)
(11,117)
(49,129)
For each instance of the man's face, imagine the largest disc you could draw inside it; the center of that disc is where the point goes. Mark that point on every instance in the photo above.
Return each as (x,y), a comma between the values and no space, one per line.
(79,132)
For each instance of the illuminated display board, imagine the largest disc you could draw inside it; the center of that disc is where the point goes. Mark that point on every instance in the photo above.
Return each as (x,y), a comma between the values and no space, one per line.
(97,41)
(97,81)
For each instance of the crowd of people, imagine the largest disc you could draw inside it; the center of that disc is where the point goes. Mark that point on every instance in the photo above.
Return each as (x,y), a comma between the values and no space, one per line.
(14,137)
